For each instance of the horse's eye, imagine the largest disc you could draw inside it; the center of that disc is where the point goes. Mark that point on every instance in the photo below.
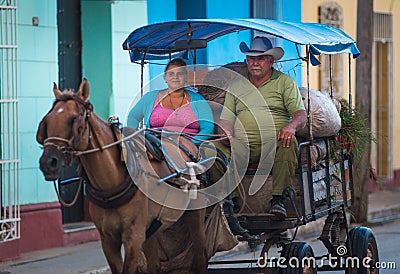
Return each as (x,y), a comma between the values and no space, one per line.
(73,119)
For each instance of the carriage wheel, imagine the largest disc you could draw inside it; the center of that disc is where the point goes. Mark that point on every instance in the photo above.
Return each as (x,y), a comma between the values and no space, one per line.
(363,245)
(294,255)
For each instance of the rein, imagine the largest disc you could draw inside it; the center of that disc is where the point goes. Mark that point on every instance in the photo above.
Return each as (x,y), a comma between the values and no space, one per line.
(75,197)
(69,149)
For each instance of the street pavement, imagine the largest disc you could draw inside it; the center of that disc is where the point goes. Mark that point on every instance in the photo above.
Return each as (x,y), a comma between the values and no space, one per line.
(384,206)
(386,235)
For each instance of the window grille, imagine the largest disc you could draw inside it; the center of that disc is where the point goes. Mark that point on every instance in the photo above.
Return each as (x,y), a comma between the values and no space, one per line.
(9,177)
(383,30)
(331,13)
(264,9)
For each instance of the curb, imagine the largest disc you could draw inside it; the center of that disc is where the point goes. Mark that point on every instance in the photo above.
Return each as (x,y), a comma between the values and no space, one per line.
(101,270)
(389,213)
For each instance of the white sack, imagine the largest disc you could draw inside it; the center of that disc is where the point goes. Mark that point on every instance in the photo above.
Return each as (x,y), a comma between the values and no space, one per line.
(325,115)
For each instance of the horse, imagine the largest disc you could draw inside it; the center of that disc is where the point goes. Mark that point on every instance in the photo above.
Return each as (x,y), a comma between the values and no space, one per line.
(122,213)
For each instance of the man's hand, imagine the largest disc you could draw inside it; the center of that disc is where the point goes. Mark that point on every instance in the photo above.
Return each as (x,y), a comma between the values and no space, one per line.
(287,133)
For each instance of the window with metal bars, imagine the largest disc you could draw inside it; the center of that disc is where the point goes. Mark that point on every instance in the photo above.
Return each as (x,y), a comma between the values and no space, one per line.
(9,173)
(264,9)
(331,13)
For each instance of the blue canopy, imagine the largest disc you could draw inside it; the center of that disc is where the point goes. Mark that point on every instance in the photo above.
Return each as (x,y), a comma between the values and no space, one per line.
(157,41)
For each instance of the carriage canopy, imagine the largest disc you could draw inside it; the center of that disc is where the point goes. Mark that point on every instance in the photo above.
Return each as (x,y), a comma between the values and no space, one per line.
(168,39)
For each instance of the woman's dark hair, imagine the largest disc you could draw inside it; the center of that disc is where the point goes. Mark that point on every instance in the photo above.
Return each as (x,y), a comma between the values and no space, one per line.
(179,62)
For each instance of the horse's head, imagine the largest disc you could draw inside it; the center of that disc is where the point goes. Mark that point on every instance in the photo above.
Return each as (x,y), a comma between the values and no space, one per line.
(64,130)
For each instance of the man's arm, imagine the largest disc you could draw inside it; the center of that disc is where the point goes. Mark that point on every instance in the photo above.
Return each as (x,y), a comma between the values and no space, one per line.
(287,133)
(299,119)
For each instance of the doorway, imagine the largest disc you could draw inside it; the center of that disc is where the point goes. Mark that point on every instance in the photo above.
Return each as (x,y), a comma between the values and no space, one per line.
(70,76)
(382,96)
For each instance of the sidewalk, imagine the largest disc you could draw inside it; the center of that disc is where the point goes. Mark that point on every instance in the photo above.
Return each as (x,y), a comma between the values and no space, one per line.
(88,258)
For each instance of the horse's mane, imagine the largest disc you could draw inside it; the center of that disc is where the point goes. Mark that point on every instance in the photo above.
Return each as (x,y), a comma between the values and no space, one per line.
(67,94)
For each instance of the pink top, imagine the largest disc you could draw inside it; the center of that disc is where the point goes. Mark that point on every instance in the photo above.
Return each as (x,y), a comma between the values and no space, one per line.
(182,119)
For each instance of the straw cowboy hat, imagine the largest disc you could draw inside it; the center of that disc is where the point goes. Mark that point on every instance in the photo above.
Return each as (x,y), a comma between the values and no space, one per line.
(261,46)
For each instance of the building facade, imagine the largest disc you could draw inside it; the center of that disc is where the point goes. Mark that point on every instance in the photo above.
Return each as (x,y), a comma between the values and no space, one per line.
(63,41)
(385,117)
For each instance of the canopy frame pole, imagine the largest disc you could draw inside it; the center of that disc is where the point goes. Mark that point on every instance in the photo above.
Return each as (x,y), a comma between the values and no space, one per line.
(142,62)
(309,117)
(188,39)
(330,75)
(194,67)
(299,54)
(350,91)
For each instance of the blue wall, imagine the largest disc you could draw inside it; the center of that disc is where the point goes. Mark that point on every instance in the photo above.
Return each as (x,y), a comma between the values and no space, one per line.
(226,49)
(289,10)
(160,13)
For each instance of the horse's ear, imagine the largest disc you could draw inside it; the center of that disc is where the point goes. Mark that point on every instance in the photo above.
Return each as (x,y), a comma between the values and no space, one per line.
(41,133)
(83,91)
(56,91)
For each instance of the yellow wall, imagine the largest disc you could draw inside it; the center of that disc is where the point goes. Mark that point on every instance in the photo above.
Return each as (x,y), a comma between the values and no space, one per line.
(310,14)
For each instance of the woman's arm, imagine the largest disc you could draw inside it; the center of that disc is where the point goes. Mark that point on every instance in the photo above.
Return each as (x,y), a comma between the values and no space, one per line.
(204,116)
(136,115)
(142,109)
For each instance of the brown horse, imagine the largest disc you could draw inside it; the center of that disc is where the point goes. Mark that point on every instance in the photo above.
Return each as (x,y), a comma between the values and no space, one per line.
(121,212)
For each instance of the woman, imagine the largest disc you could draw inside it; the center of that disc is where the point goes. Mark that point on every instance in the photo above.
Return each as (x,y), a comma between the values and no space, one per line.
(176,108)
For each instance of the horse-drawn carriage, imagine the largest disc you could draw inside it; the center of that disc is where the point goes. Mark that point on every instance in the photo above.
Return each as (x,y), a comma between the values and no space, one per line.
(323,187)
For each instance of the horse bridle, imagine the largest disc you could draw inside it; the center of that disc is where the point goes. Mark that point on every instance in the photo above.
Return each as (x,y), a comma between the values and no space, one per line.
(68,150)
(102,199)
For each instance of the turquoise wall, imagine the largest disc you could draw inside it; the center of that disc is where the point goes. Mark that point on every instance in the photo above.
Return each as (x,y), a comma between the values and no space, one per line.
(97,53)
(113,78)
(125,17)
(37,70)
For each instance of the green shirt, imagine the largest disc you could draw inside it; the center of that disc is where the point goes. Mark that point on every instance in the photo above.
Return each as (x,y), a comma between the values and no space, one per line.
(260,113)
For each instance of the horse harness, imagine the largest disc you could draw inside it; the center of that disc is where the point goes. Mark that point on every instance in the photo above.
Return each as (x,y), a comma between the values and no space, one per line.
(127,189)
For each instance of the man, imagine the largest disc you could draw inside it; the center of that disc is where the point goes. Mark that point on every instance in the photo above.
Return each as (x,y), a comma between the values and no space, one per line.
(249,110)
